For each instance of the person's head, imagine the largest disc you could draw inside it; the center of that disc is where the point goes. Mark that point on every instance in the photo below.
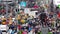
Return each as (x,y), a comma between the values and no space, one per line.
(44,25)
(25,30)
(10,18)
(33,30)
(33,2)
(15,23)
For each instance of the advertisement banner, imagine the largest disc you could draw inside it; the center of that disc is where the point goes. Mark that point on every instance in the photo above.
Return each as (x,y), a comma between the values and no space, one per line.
(23,3)
(3,27)
(56,2)
(27,10)
(33,13)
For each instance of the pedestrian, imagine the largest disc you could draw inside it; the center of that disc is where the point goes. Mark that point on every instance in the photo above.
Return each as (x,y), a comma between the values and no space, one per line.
(25,31)
(32,31)
(43,18)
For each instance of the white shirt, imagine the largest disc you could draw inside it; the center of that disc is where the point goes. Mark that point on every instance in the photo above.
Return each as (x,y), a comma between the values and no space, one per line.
(10,30)
(31,32)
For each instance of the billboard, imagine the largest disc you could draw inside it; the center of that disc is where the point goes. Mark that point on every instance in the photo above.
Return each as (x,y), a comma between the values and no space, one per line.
(23,3)
(3,27)
(56,2)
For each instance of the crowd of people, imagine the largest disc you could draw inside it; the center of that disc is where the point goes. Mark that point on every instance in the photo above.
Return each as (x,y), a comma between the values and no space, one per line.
(25,24)
(47,22)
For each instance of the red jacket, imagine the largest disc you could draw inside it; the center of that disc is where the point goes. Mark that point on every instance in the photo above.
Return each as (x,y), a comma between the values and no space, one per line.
(3,11)
(35,6)
(58,15)
(19,27)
